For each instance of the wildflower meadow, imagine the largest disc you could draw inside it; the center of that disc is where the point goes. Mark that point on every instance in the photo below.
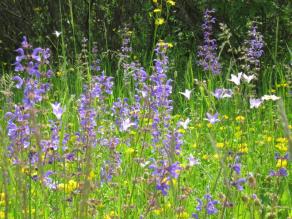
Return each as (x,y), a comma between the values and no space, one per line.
(143,138)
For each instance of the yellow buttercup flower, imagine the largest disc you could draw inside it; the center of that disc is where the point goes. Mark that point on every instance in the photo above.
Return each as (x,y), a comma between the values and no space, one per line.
(282,147)
(59,73)
(157,211)
(281,163)
(183,215)
(282,140)
(110,215)
(220,145)
(68,187)
(268,138)
(240,118)
(159,21)
(157,10)
(243,148)
(182,131)
(216,156)
(170,2)
(130,151)
(91,175)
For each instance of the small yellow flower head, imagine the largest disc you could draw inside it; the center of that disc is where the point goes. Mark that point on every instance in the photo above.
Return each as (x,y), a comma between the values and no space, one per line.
(157,10)
(240,118)
(130,151)
(216,156)
(243,148)
(220,145)
(282,147)
(159,21)
(225,117)
(269,138)
(110,215)
(59,73)
(282,163)
(205,157)
(221,128)
(157,211)
(154,1)
(168,205)
(91,175)
(2,214)
(68,187)
(170,2)
(182,131)
(2,196)
(282,140)
(194,145)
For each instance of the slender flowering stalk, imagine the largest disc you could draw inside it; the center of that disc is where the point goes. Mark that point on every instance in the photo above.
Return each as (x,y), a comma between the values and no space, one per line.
(208,59)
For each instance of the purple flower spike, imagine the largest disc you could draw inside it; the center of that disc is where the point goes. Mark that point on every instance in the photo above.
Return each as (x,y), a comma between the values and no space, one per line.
(207,53)
(236,168)
(24,43)
(36,54)
(19,81)
(57,110)
(212,118)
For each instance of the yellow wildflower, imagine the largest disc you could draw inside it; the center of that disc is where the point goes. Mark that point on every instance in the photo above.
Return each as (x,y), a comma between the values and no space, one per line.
(2,196)
(157,211)
(182,131)
(68,187)
(281,163)
(59,73)
(110,215)
(157,10)
(2,214)
(154,1)
(282,147)
(205,157)
(130,151)
(282,140)
(225,117)
(268,138)
(216,156)
(243,148)
(170,2)
(209,125)
(240,118)
(159,21)
(220,145)
(194,145)
(91,175)
(168,205)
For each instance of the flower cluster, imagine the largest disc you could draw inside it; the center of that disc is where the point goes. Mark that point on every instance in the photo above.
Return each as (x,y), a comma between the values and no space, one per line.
(208,59)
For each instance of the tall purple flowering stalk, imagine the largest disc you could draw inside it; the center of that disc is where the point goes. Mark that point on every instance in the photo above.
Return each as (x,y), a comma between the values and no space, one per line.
(165,140)
(21,125)
(208,59)
(253,51)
